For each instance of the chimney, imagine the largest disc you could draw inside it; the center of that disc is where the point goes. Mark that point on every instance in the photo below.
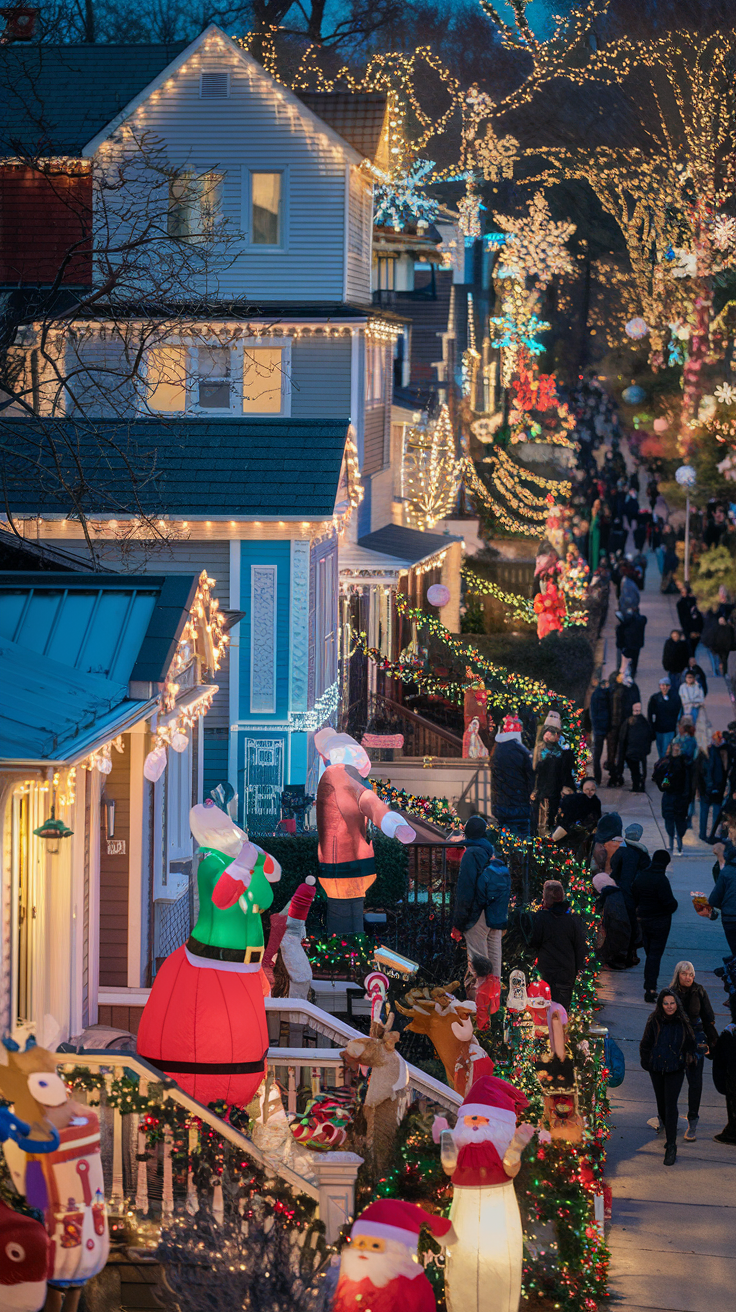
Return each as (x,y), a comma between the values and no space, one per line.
(20,23)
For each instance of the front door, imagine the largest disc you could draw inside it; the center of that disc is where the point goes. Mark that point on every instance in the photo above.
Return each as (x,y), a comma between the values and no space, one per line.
(264,783)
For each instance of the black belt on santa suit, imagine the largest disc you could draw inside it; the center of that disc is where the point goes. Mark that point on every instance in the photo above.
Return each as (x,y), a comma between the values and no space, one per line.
(206,1067)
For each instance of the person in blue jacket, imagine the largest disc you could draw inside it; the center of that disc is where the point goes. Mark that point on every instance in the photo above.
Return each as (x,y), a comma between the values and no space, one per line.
(482,893)
(723,897)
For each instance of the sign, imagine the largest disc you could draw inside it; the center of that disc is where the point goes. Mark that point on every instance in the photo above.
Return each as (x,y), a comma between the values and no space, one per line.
(116,847)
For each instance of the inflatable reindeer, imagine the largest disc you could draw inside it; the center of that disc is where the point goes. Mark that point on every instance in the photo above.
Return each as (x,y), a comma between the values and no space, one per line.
(448,1022)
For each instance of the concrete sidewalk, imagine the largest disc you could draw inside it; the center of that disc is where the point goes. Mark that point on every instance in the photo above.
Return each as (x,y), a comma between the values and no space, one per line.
(673,1235)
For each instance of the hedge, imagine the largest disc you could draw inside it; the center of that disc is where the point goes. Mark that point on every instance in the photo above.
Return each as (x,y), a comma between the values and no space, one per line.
(297,857)
(564,661)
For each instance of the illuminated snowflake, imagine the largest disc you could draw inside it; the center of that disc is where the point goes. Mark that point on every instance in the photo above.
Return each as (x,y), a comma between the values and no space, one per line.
(684,264)
(535,245)
(403,201)
(724,232)
(469,210)
(725,393)
(513,332)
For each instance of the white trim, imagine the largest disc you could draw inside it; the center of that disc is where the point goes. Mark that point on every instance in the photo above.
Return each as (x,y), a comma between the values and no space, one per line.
(109,997)
(135,858)
(93,946)
(346,234)
(377,1230)
(76,1024)
(484,1109)
(236,554)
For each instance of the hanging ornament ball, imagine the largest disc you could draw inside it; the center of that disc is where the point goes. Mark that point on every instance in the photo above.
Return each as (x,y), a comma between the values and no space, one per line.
(155,764)
(103,764)
(438,595)
(179,741)
(633,395)
(636,328)
(661,425)
(685,476)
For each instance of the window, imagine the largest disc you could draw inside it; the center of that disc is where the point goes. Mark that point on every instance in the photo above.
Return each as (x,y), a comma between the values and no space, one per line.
(263,380)
(266,209)
(386,273)
(224,380)
(214,382)
(167,378)
(195,205)
(375,373)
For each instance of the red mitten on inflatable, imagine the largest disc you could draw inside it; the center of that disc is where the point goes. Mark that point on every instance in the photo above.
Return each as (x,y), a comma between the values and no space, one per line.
(227,891)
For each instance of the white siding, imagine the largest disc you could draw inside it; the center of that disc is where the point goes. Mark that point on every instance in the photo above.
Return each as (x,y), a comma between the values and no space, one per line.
(258,128)
(360,237)
(320,378)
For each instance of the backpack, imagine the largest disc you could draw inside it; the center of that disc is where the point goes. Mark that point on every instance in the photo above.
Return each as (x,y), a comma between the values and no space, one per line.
(493,891)
(614,1060)
(661,773)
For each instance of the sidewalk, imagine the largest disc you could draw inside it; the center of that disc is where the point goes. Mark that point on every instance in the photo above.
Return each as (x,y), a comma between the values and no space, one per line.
(673,1235)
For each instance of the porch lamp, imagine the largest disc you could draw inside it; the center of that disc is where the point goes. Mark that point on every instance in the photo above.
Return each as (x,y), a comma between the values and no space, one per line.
(52,831)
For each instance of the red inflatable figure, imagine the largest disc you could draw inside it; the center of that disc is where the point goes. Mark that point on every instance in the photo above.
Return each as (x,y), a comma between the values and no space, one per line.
(549,606)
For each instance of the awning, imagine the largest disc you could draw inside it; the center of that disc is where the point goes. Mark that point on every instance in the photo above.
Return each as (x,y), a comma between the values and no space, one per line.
(382,557)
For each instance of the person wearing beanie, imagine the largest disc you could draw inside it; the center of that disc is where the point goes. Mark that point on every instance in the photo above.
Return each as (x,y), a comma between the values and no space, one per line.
(614,950)
(663,713)
(481,908)
(512,779)
(379,1269)
(558,937)
(483,1155)
(655,905)
(577,817)
(634,746)
(631,857)
(553,772)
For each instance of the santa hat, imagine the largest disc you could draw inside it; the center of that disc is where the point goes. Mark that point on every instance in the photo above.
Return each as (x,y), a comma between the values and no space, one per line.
(302,900)
(491,1095)
(510,728)
(340,749)
(389,1218)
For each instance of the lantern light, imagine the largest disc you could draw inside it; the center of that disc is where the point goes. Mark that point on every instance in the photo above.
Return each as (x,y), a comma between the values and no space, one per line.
(52,831)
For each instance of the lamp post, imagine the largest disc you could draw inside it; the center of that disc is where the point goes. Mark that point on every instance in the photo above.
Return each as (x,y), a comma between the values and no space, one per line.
(686,476)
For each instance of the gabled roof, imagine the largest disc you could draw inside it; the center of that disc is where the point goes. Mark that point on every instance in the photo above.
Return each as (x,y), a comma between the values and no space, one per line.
(59,97)
(70,647)
(360,117)
(406,546)
(208,468)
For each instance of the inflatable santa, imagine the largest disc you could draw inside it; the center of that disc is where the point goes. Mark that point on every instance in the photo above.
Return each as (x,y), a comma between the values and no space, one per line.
(344,805)
(379,1269)
(483,1154)
(205,1020)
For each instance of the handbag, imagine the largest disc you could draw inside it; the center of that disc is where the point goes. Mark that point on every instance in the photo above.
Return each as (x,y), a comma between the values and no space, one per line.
(615,1062)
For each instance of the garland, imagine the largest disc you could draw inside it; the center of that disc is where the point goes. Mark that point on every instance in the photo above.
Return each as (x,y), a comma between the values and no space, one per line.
(435,809)
(478,489)
(522,608)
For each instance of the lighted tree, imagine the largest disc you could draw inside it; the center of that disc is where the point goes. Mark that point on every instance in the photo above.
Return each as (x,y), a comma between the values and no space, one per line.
(430,471)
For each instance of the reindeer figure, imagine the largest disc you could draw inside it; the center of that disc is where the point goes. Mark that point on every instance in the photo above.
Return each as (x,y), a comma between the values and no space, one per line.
(389,1077)
(448,1022)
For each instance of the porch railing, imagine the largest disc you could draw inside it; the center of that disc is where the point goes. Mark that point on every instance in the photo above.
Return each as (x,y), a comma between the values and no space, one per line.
(422,737)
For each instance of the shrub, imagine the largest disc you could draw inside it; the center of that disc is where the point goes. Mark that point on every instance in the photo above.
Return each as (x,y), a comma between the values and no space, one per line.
(564,661)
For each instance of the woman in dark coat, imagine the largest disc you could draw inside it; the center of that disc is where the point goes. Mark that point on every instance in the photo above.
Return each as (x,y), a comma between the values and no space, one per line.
(558,938)
(676,797)
(667,1046)
(697,1007)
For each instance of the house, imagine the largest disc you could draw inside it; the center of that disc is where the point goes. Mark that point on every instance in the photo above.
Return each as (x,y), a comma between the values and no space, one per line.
(255,421)
(106,680)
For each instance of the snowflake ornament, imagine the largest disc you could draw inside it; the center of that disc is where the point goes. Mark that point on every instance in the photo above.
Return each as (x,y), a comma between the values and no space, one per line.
(402,200)
(725,393)
(724,232)
(684,263)
(535,246)
(469,209)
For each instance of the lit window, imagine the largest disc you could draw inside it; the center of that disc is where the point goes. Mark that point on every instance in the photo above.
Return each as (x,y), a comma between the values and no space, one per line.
(167,378)
(263,381)
(266,203)
(386,273)
(213,377)
(195,205)
(375,373)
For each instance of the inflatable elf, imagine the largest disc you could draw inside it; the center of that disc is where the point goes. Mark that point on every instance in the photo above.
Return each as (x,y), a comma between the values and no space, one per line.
(205,1020)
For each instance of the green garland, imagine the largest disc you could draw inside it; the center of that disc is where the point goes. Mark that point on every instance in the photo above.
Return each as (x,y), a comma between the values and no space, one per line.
(521,608)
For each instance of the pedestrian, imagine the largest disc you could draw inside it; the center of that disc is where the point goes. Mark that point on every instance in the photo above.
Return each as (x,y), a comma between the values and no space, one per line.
(481,909)
(629,595)
(716,529)
(711,770)
(558,938)
(670,563)
(655,905)
(663,712)
(630,637)
(621,702)
(594,536)
(699,673)
(607,839)
(577,819)
(724,1079)
(614,946)
(691,695)
(600,723)
(723,896)
(697,1007)
(666,1048)
(686,740)
(512,779)
(631,858)
(634,746)
(652,491)
(675,655)
(552,772)
(672,777)
(711,637)
(691,620)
